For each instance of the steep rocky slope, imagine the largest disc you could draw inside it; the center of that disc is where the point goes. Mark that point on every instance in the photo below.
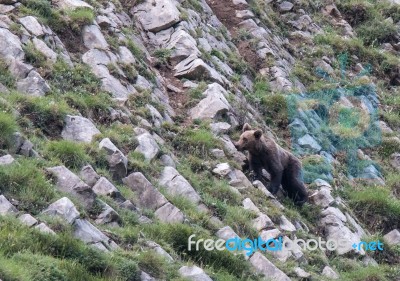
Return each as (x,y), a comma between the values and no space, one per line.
(117,122)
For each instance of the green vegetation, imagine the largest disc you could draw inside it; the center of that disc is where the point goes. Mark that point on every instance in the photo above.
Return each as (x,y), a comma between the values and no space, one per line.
(25,181)
(315,167)
(78,79)
(71,154)
(196,141)
(376,207)
(177,236)
(162,56)
(80,17)
(34,56)
(8,126)
(6,78)
(27,254)
(46,113)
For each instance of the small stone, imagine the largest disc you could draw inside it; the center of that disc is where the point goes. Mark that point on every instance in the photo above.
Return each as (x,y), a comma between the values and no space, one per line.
(6,207)
(285,6)
(330,273)
(222,169)
(286,225)
(169,214)
(32,25)
(194,273)
(79,129)
(42,227)
(393,237)
(301,273)
(6,160)
(63,208)
(28,220)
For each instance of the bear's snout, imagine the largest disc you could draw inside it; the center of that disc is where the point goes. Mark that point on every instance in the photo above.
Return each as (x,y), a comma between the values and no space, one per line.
(237,146)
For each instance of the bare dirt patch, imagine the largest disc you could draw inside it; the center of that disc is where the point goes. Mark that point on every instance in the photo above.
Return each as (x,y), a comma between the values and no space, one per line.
(225,11)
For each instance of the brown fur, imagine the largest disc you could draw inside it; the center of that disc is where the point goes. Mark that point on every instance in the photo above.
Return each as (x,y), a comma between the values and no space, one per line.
(283,166)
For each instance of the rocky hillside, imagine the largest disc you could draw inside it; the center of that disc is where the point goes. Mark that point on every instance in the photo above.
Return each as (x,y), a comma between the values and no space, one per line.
(117,123)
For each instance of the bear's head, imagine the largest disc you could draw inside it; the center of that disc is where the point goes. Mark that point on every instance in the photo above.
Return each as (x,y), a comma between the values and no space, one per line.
(249,140)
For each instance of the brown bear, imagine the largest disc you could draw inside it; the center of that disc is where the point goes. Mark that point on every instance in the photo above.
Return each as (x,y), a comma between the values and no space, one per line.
(283,167)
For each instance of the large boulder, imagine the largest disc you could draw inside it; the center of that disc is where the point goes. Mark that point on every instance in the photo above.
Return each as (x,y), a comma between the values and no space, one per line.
(86,232)
(214,104)
(71,4)
(148,196)
(10,46)
(264,266)
(195,68)
(33,85)
(147,146)
(63,208)
(393,237)
(105,187)
(6,160)
(79,129)
(157,15)
(6,207)
(176,185)
(194,273)
(117,161)
(70,183)
(169,214)
(182,45)
(93,38)
(89,175)
(32,25)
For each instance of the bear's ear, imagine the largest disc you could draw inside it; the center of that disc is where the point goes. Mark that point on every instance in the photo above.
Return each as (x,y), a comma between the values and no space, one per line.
(258,133)
(246,127)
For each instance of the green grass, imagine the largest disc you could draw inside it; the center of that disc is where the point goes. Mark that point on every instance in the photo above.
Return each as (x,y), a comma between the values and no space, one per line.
(34,56)
(71,154)
(376,207)
(196,141)
(6,78)
(80,17)
(61,254)
(25,181)
(8,126)
(162,55)
(26,266)
(77,80)
(177,236)
(240,221)
(46,113)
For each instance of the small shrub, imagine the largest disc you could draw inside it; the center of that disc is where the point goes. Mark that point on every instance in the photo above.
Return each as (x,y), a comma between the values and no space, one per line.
(78,80)
(237,63)
(195,141)
(34,56)
(135,50)
(376,207)
(162,55)
(80,17)
(25,181)
(240,220)
(71,154)
(274,108)
(6,78)
(377,31)
(218,54)
(153,264)
(45,112)
(8,126)
(388,147)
